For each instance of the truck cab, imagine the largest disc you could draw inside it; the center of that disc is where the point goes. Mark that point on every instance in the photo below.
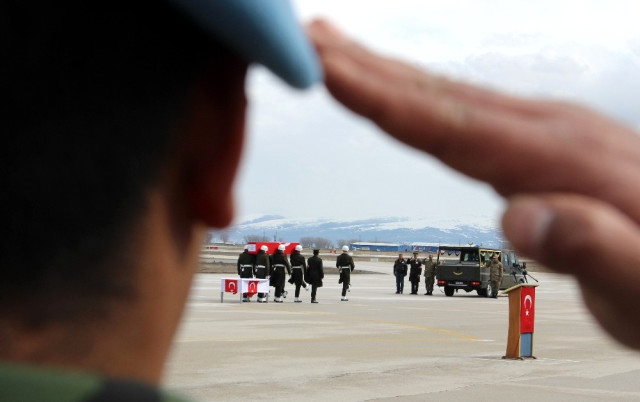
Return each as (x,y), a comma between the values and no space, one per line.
(466,268)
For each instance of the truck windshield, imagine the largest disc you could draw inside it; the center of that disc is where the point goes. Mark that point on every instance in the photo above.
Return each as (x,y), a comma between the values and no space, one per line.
(469,256)
(459,255)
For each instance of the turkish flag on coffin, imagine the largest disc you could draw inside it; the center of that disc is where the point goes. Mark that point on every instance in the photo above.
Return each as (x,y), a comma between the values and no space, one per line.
(231,285)
(253,288)
(527,309)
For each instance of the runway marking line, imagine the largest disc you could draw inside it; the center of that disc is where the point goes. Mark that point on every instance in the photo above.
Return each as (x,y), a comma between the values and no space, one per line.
(460,337)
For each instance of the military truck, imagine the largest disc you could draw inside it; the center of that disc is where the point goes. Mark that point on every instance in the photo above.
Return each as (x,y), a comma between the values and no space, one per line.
(466,268)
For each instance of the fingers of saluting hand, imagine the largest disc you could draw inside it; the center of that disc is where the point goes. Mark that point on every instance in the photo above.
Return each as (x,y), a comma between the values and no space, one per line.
(591,240)
(555,146)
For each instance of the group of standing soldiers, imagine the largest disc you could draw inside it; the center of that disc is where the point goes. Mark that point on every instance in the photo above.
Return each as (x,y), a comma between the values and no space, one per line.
(414,266)
(276,267)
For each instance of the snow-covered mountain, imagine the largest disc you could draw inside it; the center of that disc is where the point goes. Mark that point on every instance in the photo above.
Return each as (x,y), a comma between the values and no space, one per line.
(461,230)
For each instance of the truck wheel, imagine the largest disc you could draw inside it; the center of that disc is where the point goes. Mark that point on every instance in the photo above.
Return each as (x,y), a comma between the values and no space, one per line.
(488,290)
(448,290)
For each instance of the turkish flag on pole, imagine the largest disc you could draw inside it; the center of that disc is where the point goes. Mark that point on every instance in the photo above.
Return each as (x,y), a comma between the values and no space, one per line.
(231,285)
(527,309)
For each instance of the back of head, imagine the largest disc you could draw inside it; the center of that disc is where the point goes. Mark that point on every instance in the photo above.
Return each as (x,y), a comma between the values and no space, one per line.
(96,94)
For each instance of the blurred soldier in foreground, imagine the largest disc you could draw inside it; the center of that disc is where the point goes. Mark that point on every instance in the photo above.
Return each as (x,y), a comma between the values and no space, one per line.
(345,265)
(400,271)
(245,268)
(278,274)
(415,270)
(263,267)
(495,272)
(119,152)
(315,274)
(429,274)
(298,265)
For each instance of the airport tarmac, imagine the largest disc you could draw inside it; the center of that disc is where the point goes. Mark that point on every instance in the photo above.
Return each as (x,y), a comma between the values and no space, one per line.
(380,346)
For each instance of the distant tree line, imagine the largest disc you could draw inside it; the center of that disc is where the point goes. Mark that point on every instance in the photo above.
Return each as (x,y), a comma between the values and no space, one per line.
(315,242)
(255,238)
(218,236)
(345,242)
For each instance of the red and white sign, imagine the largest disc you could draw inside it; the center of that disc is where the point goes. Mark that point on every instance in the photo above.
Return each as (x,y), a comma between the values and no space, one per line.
(254,247)
(253,286)
(250,286)
(231,285)
(527,309)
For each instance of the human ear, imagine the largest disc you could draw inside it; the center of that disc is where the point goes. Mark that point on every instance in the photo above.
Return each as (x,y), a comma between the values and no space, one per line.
(215,121)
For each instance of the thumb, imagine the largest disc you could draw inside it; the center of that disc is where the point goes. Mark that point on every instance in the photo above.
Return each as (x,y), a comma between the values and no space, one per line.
(589,239)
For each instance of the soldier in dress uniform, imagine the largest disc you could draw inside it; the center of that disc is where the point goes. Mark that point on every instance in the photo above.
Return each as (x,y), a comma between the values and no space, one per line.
(400,271)
(245,268)
(429,274)
(262,268)
(495,270)
(414,272)
(345,265)
(298,266)
(278,275)
(315,274)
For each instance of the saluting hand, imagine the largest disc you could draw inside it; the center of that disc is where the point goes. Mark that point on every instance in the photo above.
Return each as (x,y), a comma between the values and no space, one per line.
(570,174)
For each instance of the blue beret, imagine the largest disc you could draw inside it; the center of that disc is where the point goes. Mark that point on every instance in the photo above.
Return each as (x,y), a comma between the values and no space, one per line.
(261,31)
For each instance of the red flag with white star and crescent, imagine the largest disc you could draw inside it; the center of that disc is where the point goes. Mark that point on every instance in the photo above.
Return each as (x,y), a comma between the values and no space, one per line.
(527,309)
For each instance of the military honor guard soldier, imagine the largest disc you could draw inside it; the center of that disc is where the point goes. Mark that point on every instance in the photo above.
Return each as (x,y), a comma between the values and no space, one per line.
(262,268)
(245,268)
(345,265)
(278,276)
(298,265)
(315,274)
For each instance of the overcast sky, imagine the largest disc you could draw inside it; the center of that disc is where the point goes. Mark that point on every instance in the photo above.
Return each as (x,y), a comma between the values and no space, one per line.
(306,157)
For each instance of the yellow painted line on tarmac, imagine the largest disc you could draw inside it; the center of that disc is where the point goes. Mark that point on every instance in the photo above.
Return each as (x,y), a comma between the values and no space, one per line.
(431,329)
(326,339)
(354,318)
(458,337)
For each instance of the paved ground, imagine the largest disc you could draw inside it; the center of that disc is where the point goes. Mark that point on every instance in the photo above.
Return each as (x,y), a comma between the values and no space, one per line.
(381,346)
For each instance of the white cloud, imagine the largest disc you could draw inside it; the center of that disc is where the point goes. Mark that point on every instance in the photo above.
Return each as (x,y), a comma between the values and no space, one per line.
(306,157)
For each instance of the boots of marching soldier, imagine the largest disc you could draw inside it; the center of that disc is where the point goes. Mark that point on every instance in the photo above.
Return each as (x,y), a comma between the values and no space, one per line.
(297,300)
(345,289)
(278,300)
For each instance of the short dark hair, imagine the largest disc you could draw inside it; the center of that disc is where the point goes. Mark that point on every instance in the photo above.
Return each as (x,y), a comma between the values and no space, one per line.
(94,93)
